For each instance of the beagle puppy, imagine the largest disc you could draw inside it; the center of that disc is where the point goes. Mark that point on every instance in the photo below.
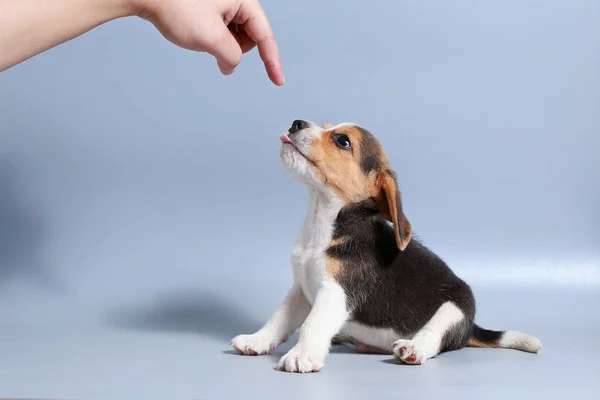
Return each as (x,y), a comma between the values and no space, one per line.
(359,275)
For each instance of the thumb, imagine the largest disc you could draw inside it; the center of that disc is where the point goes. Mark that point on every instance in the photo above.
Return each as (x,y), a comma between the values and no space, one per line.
(225,48)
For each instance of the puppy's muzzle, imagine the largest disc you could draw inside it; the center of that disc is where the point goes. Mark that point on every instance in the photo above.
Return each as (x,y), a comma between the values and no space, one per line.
(297,126)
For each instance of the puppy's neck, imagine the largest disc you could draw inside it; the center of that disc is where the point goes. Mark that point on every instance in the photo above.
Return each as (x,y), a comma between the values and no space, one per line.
(323,209)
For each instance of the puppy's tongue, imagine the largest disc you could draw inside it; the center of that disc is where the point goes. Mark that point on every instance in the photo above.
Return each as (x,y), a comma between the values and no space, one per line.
(285,139)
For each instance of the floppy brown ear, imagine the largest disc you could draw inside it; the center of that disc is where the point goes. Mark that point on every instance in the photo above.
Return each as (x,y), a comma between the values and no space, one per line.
(390,206)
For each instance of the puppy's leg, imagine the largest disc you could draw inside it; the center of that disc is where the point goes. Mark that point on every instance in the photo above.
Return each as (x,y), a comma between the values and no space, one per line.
(427,342)
(285,320)
(328,315)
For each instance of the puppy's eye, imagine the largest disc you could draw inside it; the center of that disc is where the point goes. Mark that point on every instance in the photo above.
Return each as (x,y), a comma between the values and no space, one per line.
(342,141)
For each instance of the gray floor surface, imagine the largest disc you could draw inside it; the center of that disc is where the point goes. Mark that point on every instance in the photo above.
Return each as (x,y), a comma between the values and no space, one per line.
(176,347)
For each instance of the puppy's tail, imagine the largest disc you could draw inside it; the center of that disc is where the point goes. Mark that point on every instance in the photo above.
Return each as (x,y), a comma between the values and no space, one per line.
(503,339)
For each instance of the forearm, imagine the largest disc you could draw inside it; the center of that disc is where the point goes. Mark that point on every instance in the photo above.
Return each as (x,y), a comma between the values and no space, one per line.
(29,27)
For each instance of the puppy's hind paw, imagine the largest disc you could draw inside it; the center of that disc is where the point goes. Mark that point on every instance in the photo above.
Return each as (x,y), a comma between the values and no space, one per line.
(409,352)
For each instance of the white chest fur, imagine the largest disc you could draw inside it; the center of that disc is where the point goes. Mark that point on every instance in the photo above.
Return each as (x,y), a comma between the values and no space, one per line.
(308,253)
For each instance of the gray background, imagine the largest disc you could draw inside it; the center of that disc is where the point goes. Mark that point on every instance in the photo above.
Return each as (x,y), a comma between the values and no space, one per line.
(145,218)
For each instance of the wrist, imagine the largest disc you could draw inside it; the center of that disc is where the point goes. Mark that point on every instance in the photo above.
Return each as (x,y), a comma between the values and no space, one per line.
(109,9)
(117,8)
(140,8)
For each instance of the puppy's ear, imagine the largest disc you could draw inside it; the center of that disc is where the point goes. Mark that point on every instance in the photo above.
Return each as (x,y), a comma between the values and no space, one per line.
(390,206)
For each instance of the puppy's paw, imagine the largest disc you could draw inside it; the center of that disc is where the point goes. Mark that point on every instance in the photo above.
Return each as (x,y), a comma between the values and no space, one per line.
(254,345)
(299,360)
(409,351)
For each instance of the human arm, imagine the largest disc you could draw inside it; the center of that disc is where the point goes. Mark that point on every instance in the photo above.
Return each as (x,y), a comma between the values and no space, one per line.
(30,27)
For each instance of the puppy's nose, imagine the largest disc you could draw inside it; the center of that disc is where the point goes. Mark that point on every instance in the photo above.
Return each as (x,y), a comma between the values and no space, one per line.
(298,125)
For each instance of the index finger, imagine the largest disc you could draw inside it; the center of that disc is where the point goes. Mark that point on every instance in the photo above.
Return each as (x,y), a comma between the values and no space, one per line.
(258,29)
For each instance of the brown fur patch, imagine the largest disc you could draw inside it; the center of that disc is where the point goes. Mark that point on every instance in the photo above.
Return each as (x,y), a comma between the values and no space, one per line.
(359,173)
(472,342)
(333,266)
(390,205)
(337,241)
(343,169)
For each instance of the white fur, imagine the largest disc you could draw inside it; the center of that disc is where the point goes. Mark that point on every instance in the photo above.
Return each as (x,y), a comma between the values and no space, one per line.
(328,300)
(296,163)
(315,298)
(308,260)
(520,341)
(380,338)
(427,341)
(326,318)
(285,320)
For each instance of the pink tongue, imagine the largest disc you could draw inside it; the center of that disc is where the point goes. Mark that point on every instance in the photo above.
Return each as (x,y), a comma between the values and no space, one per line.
(285,139)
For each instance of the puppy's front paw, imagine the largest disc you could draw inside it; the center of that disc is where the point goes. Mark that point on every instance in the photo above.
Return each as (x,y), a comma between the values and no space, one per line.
(409,351)
(254,345)
(299,360)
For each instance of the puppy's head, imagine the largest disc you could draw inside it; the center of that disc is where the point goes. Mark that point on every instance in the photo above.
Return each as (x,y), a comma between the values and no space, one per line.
(348,161)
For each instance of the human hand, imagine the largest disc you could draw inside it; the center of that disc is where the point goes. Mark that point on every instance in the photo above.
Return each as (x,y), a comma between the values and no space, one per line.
(223,28)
